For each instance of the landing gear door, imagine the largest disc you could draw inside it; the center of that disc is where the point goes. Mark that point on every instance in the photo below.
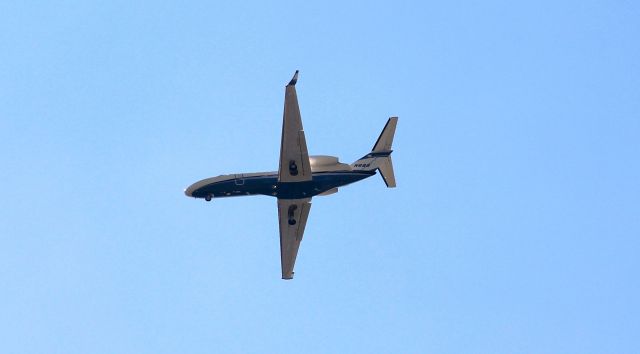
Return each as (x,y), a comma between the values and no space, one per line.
(239,179)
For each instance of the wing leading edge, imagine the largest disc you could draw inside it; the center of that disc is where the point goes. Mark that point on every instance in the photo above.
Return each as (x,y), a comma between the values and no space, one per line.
(292,216)
(294,157)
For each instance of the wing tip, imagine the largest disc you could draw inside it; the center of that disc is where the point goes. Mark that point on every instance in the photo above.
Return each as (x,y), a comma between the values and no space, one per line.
(294,79)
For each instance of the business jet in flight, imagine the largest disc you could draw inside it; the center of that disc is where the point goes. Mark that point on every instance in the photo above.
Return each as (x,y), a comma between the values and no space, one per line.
(300,177)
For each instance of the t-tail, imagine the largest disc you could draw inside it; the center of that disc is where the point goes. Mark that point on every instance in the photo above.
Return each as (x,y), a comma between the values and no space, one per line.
(380,156)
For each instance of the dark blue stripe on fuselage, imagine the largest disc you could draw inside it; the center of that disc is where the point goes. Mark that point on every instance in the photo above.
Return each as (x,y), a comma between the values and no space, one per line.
(269,185)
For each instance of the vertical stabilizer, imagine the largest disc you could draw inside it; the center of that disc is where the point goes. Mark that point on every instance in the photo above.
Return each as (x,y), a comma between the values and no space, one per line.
(380,156)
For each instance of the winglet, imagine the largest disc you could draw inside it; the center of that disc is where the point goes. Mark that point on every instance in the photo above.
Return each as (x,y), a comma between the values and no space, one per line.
(294,79)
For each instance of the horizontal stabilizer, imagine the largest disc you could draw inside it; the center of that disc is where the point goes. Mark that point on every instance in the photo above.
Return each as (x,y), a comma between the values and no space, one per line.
(385,166)
(380,156)
(385,140)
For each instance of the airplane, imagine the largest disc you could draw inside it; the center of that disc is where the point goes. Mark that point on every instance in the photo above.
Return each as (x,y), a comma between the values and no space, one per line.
(300,177)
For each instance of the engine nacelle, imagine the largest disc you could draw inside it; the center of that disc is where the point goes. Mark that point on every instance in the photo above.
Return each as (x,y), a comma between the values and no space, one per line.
(323,163)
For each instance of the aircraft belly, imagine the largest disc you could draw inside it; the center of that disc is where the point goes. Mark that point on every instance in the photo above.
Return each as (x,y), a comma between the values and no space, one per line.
(239,187)
(321,183)
(243,185)
(331,180)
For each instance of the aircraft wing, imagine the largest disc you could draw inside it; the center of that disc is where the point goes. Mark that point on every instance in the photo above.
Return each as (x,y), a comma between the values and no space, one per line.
(292,215)
(294,157)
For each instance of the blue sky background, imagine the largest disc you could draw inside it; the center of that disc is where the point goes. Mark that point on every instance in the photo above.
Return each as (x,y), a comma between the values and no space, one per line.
(515,227)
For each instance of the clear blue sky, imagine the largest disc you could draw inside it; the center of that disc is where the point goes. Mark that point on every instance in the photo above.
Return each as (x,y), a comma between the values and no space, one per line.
(515,227)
